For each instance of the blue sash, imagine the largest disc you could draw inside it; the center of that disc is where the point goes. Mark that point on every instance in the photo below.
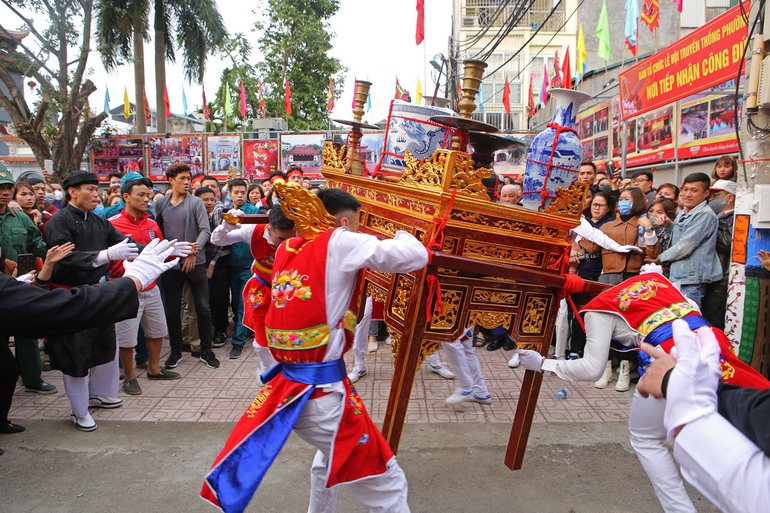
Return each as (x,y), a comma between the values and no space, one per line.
(665,332)
(313,373)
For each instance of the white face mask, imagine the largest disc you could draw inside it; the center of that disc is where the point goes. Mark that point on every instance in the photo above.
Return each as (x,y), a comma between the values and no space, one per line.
(58,195)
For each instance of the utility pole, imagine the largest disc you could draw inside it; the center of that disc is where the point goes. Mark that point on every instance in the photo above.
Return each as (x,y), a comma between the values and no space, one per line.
(747,316)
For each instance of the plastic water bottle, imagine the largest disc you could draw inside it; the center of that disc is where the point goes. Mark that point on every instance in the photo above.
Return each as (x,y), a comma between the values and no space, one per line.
(574,356)
(562,394)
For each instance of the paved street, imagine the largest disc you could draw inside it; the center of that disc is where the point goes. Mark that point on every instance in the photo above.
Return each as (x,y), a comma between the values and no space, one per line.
(151,454)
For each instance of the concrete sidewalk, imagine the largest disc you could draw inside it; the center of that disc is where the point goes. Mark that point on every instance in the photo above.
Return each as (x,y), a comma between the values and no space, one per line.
(158,467)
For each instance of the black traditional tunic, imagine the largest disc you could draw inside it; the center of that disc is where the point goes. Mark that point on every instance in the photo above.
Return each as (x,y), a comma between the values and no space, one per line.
(75,353)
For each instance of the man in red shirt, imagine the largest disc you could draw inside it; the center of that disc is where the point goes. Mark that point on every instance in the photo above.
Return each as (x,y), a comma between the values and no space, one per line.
(134,221)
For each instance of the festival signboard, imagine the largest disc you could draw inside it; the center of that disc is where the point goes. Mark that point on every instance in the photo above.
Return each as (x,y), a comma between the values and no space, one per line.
(260,158)
(707,122)
(117,155)
(305,150)
(165,151)
(704,58)
(223,155)
(593,126)
(651,137)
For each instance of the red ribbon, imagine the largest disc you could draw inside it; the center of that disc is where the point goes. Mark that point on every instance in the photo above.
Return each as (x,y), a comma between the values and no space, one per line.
(437,242)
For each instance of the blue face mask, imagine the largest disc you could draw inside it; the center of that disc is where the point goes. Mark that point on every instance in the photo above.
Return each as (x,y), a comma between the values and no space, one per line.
(625,206)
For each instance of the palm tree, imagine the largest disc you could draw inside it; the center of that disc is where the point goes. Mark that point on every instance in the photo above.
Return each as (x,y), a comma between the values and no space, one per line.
(121,29)
(199,29)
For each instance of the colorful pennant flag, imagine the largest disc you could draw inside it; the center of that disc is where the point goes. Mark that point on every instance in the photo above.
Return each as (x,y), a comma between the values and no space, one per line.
(544,86)
(206,110)
(261,104)
(603,33)
(632,25)
(126,105)
(147,110)
(166,102)
(106,100)
(420,32)
(330,97)
(507,96)
(566,72)
(678,5)
(556,75)
(530,100)
(651,14)
(418,96)
(184,101)
(227,100)
(368,102)
(243,101)
(401,93)
(581,56)
(287,97)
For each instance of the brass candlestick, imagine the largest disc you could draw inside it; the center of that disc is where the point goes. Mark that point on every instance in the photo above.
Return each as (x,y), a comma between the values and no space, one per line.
(473,71)
(355,164)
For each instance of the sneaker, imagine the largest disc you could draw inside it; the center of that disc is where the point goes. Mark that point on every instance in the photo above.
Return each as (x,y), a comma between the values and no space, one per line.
(356,374)
(515,361)
(235,352)
(220,339)
(86,423)
(624,377)
(387,341)
(442,371)
(131,387)
(100,401)
(44,388)
(210,360)
(481,399)
(606,378)
(458,396)
(173,359)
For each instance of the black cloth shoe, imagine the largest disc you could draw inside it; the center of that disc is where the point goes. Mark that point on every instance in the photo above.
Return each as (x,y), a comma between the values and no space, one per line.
(509,344)
(9,428)
(235,352)
(210,360)
(173,359)
(496,343)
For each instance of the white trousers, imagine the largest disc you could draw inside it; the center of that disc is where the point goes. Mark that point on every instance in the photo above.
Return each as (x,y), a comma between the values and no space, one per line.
(648,436)
(266,360)
(317,424)
(361,338)
(462,357)
(102,380)
(562,329)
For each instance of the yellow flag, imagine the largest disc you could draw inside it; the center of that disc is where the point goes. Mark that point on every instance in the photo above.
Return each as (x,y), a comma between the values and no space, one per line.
(581,55)
(418,99)
(126,105)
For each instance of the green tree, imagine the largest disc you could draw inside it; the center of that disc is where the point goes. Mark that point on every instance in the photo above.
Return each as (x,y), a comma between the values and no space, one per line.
(238,50)
(57,123)
(295,43)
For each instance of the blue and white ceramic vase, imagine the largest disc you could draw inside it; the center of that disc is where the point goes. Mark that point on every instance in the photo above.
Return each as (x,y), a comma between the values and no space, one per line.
(555,154)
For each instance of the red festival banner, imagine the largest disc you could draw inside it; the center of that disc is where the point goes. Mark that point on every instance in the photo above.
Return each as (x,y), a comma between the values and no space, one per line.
(709,55)
(260,158)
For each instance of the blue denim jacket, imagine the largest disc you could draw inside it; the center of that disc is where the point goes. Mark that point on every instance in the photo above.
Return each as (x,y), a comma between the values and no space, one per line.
(692,254)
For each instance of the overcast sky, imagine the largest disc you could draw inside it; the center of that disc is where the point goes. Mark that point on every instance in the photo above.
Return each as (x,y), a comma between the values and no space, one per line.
(375,40)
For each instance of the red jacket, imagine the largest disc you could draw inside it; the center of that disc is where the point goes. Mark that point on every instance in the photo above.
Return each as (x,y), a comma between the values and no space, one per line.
(141,230)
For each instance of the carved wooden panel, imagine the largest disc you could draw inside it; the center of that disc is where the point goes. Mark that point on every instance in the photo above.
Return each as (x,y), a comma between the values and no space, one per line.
(385,226)
(499,252)
(452,303)
(400,299)
(377,293)
(489,320)
(535,311)
(492,296)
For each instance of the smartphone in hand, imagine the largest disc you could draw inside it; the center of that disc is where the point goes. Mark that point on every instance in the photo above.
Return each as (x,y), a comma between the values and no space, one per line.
(26,263)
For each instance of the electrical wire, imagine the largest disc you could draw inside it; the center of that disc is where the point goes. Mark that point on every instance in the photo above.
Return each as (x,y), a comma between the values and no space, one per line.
(485,28)
(511,22)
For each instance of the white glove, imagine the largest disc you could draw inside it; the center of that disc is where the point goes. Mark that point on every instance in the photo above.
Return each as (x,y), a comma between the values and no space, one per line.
(182,249)
(227,227)
(531,360)
(597,236)
(123,250)
(26,278)
(151,262)
(651,268)
(692,386)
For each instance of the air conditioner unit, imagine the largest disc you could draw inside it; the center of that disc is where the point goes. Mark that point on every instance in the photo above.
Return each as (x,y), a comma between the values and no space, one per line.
(12,150)
(469,21)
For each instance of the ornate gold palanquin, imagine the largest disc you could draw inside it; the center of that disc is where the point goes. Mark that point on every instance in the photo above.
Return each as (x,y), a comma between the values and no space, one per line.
(498,265)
